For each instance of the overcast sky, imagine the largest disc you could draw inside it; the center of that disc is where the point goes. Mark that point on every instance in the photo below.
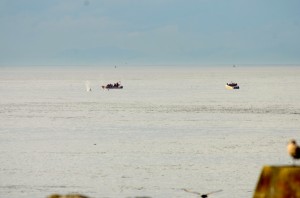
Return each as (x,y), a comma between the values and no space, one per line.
(149,32)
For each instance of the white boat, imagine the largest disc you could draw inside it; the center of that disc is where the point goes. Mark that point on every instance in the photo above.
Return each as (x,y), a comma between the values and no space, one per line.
(232,85)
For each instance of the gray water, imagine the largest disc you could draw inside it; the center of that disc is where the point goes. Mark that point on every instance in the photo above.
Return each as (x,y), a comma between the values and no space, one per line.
(168,129)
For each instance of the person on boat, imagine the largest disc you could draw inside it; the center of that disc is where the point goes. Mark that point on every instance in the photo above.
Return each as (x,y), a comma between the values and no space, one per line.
(232,84)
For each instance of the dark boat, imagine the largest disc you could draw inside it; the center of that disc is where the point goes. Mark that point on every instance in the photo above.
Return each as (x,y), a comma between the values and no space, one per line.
(112,86)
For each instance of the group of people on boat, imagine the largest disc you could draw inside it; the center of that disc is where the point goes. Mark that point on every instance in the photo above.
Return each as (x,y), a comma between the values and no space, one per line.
(232,84)
(115,85)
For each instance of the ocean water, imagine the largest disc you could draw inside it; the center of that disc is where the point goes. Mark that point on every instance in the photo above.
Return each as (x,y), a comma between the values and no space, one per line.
(168,129)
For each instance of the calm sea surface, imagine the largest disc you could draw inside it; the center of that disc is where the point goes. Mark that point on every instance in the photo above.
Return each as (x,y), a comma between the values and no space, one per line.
(167,129)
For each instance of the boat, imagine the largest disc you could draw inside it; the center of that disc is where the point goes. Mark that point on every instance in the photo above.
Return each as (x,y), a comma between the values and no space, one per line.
(112,86)
(232,85)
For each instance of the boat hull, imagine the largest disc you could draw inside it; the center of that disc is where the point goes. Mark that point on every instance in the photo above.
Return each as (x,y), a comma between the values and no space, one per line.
(105,87)
(232,87)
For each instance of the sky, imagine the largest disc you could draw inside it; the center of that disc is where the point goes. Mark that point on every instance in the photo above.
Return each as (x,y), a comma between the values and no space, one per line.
(149,32)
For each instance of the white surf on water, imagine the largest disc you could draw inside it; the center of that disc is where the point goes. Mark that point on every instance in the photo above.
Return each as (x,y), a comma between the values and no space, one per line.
(168,129)
(88,86)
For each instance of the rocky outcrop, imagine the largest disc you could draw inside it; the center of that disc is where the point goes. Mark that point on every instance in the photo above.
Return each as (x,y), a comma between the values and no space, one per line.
(278,182)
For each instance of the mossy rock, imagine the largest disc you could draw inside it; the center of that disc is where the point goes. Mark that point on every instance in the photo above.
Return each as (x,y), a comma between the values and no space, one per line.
(67,196)
(278,182)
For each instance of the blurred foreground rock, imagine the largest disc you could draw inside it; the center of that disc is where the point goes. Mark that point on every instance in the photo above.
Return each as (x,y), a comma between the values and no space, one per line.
(67,196)
(278,182)
(77,196)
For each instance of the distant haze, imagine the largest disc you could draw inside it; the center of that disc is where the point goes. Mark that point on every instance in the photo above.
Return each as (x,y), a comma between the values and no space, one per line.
(133,32)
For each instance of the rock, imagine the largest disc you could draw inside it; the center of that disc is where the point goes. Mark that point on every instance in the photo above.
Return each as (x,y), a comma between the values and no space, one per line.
(67,196)
(278,182)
